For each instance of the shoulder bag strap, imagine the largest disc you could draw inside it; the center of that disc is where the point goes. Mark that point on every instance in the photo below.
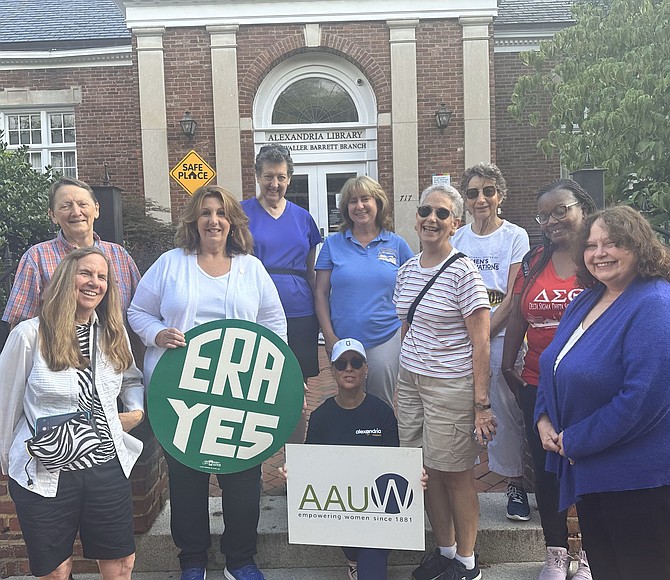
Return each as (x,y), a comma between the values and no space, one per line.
(94,355)
(412,308)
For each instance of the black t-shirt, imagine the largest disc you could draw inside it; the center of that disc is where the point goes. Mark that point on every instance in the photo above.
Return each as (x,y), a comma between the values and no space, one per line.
(372,423)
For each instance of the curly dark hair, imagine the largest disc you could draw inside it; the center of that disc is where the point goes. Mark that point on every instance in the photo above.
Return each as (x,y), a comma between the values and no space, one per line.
(587,205)
(239,238)
(628,229)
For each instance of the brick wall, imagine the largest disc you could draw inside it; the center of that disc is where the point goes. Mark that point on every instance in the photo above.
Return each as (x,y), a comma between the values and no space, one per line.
(525,168)
(188,87)
(440,80)
(107,120)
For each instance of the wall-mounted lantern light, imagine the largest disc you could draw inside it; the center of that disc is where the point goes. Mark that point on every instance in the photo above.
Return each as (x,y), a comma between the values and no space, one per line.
(188,125)
(442,117)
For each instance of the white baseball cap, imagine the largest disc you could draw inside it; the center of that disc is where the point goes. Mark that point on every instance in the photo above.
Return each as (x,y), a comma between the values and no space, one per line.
(346,344)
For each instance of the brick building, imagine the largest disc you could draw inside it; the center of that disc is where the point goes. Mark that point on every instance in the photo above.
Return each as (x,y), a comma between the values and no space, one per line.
(349,90)
(350,87)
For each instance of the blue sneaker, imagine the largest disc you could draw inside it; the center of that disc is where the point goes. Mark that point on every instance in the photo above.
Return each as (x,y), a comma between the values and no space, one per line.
(248,572)
(517,503)
(194,574)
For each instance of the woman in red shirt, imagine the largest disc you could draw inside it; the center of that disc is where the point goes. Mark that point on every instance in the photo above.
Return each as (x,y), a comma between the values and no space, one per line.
(544,287)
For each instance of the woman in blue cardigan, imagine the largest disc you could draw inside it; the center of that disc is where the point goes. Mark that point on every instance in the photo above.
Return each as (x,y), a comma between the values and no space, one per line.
(603,404)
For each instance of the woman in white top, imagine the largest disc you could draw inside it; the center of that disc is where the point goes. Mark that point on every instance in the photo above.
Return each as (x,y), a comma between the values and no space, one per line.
(497,247)
(74,358)
(209,276)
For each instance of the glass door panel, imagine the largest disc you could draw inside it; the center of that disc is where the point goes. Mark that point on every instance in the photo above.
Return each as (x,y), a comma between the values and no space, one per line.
(316,188)
(334,183)
(298,190)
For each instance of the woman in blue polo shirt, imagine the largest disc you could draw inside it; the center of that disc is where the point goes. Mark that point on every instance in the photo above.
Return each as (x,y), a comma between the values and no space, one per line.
(361,261)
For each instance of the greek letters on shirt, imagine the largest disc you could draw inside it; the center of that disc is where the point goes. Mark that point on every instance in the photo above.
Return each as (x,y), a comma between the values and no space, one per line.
(548,306)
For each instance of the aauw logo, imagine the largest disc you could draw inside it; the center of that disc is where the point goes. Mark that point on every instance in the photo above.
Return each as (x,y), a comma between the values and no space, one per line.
(392,493)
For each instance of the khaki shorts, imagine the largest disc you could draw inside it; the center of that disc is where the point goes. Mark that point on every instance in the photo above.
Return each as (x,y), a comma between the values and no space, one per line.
(438,415)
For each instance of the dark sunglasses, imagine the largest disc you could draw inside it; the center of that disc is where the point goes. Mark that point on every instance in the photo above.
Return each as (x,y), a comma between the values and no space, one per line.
(356,363)
(279,148)
(488,191)
(424,211)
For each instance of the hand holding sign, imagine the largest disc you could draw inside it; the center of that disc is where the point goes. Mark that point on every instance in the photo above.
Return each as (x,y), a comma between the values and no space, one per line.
(228,400)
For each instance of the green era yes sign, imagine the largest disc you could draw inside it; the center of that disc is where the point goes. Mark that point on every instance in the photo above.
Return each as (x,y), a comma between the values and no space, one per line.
(229,399)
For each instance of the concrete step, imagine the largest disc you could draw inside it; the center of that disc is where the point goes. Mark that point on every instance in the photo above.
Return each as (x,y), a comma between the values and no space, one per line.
(499,540)
(515,571)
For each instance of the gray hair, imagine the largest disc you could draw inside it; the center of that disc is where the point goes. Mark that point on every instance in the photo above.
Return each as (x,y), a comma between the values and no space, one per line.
(447,191)
(485,171)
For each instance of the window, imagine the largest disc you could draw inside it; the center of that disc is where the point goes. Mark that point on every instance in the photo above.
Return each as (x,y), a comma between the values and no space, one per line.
(51,138)
(314,100)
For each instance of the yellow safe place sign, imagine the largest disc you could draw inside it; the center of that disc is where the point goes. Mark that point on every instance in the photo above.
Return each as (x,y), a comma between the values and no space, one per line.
(192,172)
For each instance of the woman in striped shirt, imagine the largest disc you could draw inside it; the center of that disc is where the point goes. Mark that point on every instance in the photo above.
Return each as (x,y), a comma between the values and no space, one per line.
(443,384)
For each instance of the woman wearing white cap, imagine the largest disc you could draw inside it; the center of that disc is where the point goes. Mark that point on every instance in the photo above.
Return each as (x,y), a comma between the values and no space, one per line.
(354,417)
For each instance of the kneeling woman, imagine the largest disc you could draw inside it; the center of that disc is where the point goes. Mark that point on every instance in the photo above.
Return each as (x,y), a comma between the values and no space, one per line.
(74,357)
(338,421)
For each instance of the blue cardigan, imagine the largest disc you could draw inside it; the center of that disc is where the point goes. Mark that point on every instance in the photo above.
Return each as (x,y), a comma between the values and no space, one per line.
(610,394)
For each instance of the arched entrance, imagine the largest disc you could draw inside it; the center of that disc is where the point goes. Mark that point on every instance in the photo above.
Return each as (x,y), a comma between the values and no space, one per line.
(323,110)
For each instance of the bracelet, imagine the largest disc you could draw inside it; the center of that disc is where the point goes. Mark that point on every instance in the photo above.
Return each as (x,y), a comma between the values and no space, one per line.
(481,407)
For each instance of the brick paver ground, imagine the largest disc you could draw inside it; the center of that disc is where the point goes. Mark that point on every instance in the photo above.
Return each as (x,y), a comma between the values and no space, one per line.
(320,388)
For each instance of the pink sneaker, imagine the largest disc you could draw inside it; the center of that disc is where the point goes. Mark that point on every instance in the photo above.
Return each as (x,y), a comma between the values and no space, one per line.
(556,564)
(583,571)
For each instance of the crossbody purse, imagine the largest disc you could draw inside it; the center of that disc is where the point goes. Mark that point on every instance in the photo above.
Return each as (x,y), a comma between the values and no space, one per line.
(60,440)
(412,308)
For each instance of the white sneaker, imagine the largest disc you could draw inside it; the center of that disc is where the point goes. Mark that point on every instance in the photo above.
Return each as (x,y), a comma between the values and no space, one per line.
(583,571)
(556,564)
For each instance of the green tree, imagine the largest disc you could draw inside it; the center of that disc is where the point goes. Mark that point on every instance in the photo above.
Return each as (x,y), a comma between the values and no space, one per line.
(608,81)
(24,195)
(24,199)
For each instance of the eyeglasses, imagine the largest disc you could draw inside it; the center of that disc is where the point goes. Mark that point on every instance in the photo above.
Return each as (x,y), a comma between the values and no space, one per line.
(356,363)
(279,148)
(559,212)
(442,213)
(488,191)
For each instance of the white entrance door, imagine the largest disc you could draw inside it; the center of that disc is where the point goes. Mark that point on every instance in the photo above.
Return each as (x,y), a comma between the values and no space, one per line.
(317,189)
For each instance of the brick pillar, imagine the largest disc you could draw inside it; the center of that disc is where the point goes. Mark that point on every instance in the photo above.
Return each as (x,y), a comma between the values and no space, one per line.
(149,480)
(13,556)
(149,489)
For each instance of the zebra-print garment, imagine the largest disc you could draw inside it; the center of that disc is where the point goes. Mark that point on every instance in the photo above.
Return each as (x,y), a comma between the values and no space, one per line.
(105,451)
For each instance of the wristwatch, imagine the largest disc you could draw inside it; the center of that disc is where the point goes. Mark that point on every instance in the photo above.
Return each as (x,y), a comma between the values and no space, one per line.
(481,407)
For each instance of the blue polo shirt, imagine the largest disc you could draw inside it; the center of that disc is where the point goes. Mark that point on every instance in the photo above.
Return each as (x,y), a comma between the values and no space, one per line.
(362,282)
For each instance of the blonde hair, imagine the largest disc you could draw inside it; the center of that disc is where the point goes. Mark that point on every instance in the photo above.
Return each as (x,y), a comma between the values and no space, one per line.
(364,185)
(58,338)
(239,238)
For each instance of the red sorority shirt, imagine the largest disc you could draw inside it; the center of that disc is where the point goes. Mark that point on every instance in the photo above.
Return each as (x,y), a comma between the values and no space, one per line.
(542,306)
